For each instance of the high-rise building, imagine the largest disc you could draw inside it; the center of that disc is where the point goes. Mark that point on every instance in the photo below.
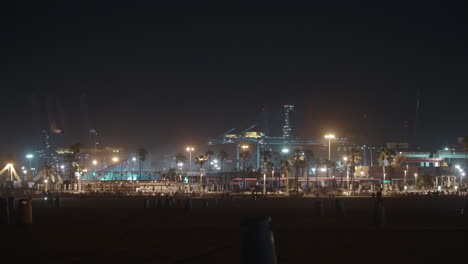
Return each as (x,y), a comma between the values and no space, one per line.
(287,121)
(93,139)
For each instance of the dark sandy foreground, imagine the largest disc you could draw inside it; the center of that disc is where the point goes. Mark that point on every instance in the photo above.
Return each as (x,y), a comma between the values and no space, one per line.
(418,230)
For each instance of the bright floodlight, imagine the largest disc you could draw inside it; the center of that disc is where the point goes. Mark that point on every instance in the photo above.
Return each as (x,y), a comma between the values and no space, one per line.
(134,159)
(457,166)
(285,150)
(215,161)
(245,146)
(463,174)
(45,181)
(115,159)
(29,156)
(62,167)
(323,169)
(345,158)
(330,136)
(94,162)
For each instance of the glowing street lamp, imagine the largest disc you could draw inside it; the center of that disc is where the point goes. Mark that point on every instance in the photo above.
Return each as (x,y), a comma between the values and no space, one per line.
(406,173)
(95,162)
(30,157)
(285,151)
(190,150)
(115,159)
(329,137)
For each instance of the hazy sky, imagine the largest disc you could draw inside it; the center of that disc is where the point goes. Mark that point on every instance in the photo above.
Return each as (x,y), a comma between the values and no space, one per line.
(169,74)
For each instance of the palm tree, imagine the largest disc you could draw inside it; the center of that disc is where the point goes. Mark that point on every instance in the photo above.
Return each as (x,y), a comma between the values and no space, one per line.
(200,160)
(384,156)
(266,156)
(72,158)
(465,147)
(330,165)
(223,155)
(317,162)
(354,156)
(244,156)
(142,155)
(275,156)
(297,161)
(209,154)
(269,167)
(285,168)
(180,158)
(308,156)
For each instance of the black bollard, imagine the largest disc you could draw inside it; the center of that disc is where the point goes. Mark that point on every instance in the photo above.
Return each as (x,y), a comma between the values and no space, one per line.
(379,214)
(464,211)
(147,204)
(25,212)
(58,202)
(339,206)
(258,243)
(11,209)
(320,208)
(4,212)
(167,203)
(188,205)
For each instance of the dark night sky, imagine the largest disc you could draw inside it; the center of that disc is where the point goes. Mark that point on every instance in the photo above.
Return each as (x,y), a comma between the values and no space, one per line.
(168,74)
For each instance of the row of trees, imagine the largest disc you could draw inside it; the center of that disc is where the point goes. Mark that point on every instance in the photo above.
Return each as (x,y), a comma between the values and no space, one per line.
(74,163)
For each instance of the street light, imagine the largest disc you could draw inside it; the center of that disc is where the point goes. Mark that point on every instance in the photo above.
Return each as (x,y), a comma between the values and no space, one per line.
(190,150)
(415,180)
(285,150)
(329,137)
(95,162)
(345,159)
(406,173)
(30,157)
(115,159)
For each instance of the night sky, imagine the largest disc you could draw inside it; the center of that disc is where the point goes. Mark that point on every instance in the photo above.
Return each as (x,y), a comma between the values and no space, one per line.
(165,75)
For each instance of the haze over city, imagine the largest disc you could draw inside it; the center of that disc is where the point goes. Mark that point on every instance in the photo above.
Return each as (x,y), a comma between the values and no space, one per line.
(217,132)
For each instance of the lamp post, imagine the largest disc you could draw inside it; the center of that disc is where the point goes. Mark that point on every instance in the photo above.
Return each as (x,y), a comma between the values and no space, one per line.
(415,181)
(345,159)
(329,137)
(115,160)
(10,166)
(404,183)
(30,157)
(244,148)
(190,150)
